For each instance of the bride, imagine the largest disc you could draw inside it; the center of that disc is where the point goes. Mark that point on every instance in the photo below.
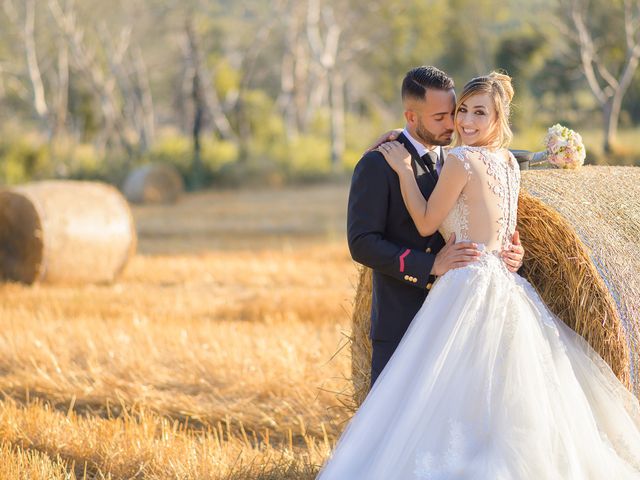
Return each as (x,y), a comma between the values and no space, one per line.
(489,385)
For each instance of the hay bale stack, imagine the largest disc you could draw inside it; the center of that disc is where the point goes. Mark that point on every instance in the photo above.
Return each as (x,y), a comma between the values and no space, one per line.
(64,231)
(580,230)
(154,183)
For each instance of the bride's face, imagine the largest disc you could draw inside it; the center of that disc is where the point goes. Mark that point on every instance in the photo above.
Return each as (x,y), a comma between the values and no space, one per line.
(476,120)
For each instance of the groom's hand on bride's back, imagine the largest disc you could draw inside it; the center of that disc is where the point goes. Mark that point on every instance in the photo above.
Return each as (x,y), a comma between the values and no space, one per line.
(455,255)
(389,136)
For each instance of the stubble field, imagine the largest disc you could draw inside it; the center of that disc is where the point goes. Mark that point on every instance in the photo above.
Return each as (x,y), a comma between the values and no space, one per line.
(217,354)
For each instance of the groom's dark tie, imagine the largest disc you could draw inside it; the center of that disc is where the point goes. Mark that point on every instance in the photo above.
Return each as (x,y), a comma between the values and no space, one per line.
(430,158)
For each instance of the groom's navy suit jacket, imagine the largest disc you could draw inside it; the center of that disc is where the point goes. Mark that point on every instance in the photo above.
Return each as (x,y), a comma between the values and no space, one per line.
(382,236)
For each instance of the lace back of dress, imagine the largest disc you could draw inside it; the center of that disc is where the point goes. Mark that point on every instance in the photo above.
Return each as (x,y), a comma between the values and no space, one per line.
(486,211)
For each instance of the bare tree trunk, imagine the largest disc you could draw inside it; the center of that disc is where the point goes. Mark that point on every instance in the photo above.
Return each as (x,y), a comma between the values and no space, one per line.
(103,86)
(247,67)
(39,100)
(3,88)
(286,99)
(326,53)
(301,82)
(199,103)
(210,96)
(198,100)
(182,103)
(148,132)
(62,98)
(318,94)
(336,103)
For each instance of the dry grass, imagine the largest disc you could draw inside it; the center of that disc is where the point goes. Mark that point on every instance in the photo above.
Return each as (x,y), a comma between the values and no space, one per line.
(27,464)
(144,445)
(197,363)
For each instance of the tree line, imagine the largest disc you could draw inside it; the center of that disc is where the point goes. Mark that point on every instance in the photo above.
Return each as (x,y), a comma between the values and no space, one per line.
(300,84)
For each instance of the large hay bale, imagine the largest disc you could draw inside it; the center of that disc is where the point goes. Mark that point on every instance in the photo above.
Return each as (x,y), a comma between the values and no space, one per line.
(64,231)
(580,230)
(154,183)
(594,285)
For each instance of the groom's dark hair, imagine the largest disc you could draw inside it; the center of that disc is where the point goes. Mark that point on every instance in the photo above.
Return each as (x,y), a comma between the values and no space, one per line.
(419,79)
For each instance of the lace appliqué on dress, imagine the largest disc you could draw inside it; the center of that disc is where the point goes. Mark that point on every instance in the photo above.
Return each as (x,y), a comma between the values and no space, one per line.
(460,217)
(506,187)
(451,463)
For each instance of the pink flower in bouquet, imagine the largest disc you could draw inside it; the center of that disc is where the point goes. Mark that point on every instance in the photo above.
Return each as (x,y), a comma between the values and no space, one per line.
(564,147)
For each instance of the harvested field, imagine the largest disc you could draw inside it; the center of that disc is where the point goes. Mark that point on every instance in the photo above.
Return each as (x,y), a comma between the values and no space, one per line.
(212,356)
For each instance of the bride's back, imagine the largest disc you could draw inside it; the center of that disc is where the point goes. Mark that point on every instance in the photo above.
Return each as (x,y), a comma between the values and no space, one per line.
(486,211)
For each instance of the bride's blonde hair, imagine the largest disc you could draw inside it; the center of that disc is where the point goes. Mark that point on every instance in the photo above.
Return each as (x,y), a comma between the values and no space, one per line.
(499,88)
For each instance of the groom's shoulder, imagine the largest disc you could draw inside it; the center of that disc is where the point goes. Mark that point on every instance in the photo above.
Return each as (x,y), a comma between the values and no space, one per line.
(372,161)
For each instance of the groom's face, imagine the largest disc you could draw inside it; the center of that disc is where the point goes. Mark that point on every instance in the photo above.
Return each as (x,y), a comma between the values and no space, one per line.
(430,120)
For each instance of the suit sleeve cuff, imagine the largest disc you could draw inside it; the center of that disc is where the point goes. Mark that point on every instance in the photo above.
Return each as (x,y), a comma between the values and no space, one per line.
(414,268)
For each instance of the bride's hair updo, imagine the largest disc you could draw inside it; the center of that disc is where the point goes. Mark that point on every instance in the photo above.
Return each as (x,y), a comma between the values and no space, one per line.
(499,88)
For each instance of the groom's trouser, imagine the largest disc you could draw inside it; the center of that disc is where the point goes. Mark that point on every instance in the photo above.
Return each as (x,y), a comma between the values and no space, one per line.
(382,351)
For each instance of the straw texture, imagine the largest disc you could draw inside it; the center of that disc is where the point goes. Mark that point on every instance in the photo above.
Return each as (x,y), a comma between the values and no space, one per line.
(601,206)
(360,342)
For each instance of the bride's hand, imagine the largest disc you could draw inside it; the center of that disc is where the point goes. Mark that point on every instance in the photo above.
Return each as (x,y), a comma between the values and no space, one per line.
(396,156)
(389,136)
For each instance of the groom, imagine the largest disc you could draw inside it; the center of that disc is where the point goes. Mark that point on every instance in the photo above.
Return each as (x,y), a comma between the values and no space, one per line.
(381,233)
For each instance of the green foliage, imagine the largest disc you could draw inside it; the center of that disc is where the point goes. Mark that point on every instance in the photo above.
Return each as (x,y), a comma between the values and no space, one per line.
(408,42)
(174,149)
(308,156)
(82,108)
(260,114)
(177,150)
(82,161)
(22,160)
(227,79)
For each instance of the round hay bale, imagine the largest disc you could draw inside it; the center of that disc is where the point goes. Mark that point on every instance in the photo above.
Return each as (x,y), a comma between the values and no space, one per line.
(154,183)
(64,231)
(580,231)
(597,289)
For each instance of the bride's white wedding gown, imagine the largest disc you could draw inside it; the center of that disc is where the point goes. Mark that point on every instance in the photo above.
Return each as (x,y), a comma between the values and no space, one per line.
(487,384)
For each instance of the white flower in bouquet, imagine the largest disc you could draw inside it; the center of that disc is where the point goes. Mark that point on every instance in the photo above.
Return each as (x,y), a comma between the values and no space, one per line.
(564,147)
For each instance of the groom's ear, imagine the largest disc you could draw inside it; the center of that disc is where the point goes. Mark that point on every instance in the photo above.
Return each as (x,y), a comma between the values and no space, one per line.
(410,116)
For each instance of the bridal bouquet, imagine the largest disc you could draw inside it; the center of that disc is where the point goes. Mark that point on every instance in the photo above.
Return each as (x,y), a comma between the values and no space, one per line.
(564,147)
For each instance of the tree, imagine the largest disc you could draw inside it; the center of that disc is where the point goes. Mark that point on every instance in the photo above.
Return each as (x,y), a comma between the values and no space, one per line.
(609,61)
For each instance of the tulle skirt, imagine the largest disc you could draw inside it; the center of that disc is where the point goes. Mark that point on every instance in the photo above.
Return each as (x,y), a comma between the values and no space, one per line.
(487,384)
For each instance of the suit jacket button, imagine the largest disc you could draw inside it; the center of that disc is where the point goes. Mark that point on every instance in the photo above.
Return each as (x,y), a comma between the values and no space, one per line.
(415,280)
(428,250)
(407,277)
(429,285)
